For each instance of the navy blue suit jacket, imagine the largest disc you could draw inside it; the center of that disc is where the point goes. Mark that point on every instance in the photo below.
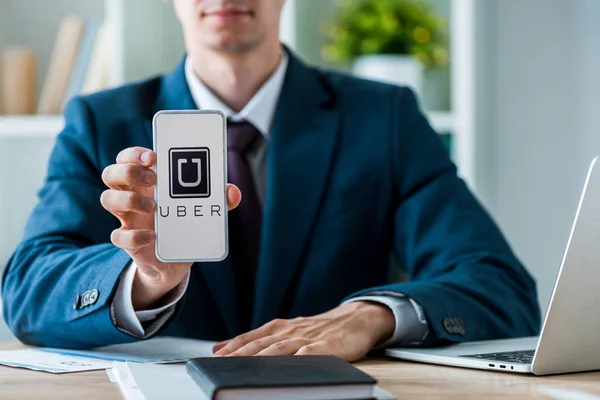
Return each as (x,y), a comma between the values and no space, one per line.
(356,175)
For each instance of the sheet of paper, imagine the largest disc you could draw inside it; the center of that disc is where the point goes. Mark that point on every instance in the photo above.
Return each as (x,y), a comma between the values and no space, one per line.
(157,382)
(157,350)
(50,362)
(127,384)
(381,394)
(111,373)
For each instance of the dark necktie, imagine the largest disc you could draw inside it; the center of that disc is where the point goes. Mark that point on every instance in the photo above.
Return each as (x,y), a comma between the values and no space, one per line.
(245,220)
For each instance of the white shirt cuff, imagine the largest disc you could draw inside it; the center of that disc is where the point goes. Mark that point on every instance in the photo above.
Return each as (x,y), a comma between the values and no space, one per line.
(129,320)
(411,325)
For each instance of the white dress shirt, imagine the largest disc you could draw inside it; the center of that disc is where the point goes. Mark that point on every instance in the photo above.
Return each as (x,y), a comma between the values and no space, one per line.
(411,326)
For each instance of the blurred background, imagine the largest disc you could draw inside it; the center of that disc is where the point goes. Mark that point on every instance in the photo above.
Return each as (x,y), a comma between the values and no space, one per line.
(511,86)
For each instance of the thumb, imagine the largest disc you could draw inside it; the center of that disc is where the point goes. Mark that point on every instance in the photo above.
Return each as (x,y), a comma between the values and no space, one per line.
(234,196)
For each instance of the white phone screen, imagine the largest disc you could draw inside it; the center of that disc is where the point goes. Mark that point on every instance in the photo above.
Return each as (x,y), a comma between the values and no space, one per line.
(191,211)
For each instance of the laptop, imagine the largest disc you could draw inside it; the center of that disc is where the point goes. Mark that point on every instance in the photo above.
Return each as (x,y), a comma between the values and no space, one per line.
(570,337)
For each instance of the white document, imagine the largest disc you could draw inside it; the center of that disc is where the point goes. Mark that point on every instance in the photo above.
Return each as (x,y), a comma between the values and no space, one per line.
(50,362)
(112,375)
(381,394)
(158,382)
(157,350)
(127,384)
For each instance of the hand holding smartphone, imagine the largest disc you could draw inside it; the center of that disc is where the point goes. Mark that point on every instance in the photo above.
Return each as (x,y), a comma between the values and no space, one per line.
(191,181)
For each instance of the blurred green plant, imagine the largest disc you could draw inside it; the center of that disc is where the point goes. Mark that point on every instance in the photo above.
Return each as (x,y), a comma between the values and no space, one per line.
(407,27)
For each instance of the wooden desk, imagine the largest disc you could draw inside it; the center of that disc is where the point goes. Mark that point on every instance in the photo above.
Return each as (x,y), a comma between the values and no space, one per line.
(403,379)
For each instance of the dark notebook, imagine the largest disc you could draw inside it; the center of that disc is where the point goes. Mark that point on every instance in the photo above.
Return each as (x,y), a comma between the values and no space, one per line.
(282,377)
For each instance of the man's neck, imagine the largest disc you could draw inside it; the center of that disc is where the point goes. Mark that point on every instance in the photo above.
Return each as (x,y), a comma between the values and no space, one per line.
(235,78)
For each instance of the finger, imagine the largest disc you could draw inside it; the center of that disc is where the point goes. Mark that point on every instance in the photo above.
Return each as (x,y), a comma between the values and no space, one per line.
(137,155)
(220,345)
(119,202)
(314,349)
(284,348)
(132,239)
(268,329)
(236,343)
(256,346)
(118,176)
(242,340)
(234,196)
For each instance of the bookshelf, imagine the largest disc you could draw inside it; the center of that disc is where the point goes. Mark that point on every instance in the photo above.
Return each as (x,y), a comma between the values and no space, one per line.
(35,23)
(150,42)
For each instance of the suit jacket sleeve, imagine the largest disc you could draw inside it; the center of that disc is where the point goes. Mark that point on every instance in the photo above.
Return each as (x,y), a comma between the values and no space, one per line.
(462,272)
(66,250)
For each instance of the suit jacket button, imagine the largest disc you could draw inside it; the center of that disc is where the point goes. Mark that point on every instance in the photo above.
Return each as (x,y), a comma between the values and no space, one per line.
(93,296)
(454,326)
(85,299)
(448,326)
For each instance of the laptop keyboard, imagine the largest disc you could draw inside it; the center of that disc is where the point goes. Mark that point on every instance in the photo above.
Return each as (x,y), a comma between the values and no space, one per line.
(514,357)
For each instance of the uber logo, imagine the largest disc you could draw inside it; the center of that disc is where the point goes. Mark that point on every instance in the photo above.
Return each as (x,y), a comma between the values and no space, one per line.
(189,172)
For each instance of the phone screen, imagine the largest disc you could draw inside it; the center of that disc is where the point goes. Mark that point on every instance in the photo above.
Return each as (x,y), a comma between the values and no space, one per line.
(191,179)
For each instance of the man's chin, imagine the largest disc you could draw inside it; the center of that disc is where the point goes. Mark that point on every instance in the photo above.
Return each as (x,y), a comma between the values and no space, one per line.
(233,45)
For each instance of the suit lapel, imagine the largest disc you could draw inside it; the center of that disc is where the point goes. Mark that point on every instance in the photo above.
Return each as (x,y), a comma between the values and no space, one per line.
(299,157)
(220,280)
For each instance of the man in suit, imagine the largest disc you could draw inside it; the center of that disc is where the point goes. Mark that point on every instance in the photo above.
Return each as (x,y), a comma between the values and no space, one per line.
(337,175)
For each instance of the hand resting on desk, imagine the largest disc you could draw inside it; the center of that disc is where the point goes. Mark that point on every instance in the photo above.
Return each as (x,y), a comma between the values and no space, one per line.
(348,331)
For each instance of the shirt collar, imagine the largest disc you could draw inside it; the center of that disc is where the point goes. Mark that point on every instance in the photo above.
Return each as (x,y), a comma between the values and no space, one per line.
(259,111)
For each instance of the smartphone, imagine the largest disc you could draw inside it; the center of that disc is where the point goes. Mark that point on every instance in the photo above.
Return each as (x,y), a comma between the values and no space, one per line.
(191,181)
